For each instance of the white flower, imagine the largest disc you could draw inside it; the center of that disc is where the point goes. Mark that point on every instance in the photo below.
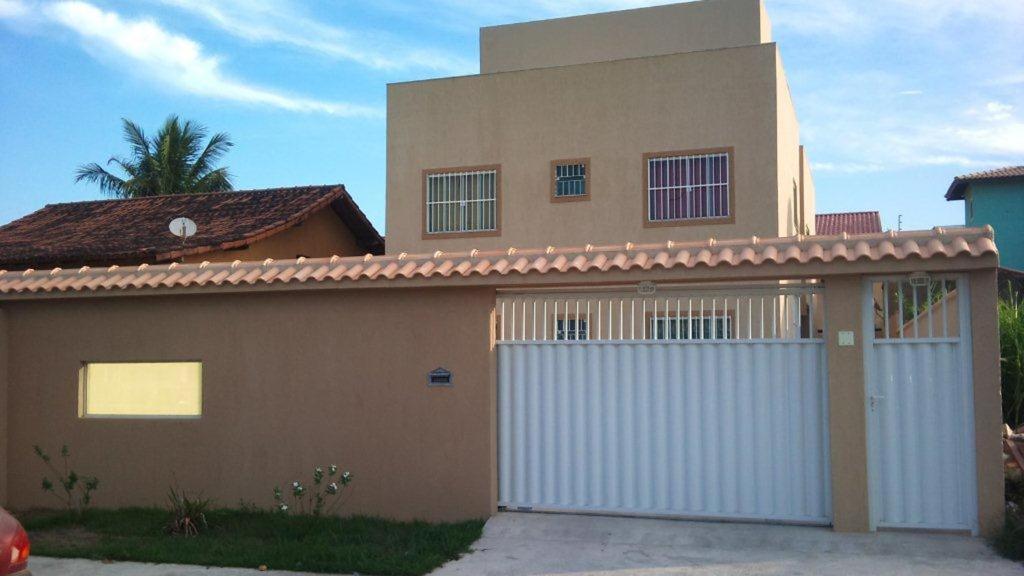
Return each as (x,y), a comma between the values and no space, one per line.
(284,507)
(318,470)
(295,484)
(332,488)
(333,469)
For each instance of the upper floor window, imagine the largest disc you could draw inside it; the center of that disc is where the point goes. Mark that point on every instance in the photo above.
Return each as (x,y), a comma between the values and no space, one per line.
(569,179)
(683,186)
(462,200)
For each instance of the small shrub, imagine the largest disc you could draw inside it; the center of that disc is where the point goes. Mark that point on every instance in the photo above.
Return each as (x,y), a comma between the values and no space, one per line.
(1011,357)
(1010,541)
(76,490)
(188,514)
(323,498)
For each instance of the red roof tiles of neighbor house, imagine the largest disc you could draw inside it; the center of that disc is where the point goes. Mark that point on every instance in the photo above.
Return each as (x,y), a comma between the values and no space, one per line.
(959,184)
(936,243)
(849,222)
(136,230)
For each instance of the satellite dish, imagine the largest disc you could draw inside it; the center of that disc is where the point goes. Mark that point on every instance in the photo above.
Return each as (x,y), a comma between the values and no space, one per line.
(183,228)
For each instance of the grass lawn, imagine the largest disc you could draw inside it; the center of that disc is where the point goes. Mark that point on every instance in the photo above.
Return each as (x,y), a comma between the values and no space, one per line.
(249,539)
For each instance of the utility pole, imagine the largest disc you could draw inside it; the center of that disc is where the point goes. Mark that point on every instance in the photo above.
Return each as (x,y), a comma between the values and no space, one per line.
(899,223)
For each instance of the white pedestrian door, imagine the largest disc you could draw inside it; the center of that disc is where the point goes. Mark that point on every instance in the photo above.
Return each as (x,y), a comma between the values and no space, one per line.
(920,404)
(711,405)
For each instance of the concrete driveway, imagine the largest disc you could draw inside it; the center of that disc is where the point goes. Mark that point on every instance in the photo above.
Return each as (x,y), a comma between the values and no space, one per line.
(563,545)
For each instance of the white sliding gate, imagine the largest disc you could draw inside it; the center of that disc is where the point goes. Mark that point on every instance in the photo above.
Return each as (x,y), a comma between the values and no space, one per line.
(920,404)
(710,404)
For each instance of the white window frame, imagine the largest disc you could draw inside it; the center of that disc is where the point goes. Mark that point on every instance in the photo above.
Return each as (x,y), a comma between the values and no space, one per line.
(461,201)
(692,327)
(689,162)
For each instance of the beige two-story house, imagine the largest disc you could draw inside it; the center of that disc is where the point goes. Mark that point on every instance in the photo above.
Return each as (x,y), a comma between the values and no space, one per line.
(666,123)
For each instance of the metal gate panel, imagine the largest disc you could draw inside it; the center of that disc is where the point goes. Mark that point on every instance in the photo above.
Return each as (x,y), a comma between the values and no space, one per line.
(714,429)
(920,406)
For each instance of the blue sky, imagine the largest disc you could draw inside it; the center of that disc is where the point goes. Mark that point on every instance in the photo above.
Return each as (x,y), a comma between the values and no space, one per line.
(895,97)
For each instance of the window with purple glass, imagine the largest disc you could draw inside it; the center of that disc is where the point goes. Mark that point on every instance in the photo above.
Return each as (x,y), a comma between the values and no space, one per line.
(684,187)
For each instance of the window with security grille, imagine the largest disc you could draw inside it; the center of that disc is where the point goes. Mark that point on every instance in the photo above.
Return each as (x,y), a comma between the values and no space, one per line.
(690,328)
(570,180)
(571,329)
(688,187)
(462,201)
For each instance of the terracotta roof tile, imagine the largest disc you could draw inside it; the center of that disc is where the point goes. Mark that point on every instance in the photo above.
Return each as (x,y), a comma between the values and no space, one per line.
(959,185)
(848,222)
(973,242)
(106,231)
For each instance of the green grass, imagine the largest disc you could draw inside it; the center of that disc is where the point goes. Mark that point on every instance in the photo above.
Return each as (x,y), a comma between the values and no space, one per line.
(249,539)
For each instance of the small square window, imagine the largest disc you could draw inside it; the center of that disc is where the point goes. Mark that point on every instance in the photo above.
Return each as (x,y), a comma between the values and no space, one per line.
(569,180)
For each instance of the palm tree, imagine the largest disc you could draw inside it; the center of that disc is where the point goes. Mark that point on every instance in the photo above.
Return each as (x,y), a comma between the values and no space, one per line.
(173,162)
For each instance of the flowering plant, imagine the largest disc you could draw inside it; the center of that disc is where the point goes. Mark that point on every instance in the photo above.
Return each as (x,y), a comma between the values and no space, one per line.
(323,498)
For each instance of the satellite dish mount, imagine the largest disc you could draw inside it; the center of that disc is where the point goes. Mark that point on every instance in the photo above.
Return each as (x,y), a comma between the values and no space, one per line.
(183,228)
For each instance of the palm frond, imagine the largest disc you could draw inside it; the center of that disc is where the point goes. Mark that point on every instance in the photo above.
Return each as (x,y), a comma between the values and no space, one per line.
(136,138)
(215,149)
(218,180)
(173,161)
(109,183)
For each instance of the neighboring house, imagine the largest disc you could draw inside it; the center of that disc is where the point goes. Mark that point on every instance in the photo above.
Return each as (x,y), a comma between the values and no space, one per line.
(848,223)
(665,123)
(594,299)
(995,198)
(309,221)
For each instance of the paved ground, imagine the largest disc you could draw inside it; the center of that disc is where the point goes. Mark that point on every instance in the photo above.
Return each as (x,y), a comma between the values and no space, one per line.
(562,545)
(548,545)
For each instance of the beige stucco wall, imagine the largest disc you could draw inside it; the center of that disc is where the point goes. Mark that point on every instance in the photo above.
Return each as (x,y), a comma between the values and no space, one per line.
(846,397)
(322,234)
(3,408)
(610,112)
(791,218)
(659,30)
(988,403)
(810,207)
(291,381)
(294,377)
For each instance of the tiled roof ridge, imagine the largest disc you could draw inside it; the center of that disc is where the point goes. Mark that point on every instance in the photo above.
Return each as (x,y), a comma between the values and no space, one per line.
(711,252)
(850,212)
(202,195)
(1003,172)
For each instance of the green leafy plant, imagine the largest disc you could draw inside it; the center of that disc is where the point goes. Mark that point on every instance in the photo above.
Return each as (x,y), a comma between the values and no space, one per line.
(323,498)
(188,513)
(1011,356)
(76,489)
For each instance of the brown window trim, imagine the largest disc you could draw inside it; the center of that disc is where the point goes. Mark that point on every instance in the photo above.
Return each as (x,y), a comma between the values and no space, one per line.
(554,182)
(497,202)
(730,219)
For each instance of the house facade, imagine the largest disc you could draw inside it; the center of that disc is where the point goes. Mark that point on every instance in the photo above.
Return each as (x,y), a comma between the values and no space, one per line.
(995,198)
(674,122)
(593,300)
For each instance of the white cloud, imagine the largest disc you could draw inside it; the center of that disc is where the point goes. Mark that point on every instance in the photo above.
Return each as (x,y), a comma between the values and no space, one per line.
(177,60)
(12,9)
(911,92)
(283,22)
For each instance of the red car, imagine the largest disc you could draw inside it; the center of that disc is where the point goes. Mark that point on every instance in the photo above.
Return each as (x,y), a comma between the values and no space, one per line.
(14,547)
